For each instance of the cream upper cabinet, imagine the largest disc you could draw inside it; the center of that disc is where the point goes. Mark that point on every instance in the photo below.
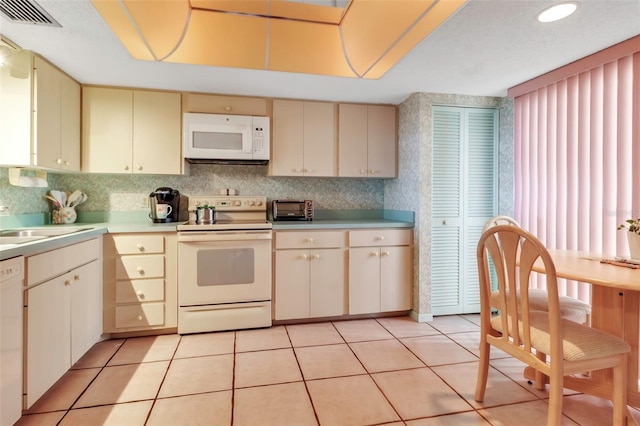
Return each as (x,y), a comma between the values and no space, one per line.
(304,138)
(367,141)
(232,105)
(39,115)
(131,131)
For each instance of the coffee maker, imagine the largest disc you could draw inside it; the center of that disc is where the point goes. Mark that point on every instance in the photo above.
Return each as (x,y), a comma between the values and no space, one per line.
(168,196)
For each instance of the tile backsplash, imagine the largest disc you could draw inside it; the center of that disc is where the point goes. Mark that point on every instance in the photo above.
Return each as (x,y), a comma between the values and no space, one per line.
(128,192)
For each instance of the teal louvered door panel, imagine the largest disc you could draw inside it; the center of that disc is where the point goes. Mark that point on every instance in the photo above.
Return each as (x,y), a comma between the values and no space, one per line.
(464,198)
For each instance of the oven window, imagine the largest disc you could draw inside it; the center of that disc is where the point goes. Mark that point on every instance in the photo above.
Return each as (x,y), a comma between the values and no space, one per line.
(218,140)
(226,266)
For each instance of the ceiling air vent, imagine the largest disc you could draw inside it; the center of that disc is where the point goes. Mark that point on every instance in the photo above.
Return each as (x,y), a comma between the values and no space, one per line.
(26,12)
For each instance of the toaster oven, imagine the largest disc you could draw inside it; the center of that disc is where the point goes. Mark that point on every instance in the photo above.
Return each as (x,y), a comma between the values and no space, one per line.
(292,209)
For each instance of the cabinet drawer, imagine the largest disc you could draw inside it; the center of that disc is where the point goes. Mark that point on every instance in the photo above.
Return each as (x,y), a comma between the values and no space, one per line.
(380,237)
(48,265)
(140,291)
(139,244)
(143,315)
(132,267)
(311,239)
(225,104)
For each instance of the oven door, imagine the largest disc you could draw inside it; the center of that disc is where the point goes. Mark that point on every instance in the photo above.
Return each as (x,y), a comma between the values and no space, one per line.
(218,267)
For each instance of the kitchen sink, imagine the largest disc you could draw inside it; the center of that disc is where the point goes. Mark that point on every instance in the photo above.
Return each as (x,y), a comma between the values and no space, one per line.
(38,232)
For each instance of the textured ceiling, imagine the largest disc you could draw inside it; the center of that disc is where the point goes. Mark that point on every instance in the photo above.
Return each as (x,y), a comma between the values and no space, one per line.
(485,48)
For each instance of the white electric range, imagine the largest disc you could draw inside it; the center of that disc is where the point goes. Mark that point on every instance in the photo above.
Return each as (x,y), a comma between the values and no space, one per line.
(224,266)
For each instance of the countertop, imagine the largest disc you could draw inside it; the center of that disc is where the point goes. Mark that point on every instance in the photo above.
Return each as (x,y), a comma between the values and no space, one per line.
(324,219)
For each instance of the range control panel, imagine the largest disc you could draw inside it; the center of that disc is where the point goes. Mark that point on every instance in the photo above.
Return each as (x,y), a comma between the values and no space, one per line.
(229,202)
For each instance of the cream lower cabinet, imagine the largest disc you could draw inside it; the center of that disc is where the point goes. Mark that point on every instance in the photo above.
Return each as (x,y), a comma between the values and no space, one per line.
(63,312)
(380,271)
(309,274)
(131,131)
(140,275)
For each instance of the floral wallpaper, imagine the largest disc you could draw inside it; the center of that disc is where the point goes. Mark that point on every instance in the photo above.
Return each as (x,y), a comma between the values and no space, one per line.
(130,192)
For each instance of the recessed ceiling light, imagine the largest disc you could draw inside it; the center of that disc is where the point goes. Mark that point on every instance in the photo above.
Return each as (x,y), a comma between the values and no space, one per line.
(557,12)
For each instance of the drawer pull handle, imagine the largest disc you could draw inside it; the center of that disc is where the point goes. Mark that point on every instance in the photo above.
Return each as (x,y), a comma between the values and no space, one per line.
(140,295)
(316,256)
(362,171)
(385,253)
(374,254)
(309,240)
(140,270)
(76,277)
(67,282)
(304,257)
(126,167)
(139,317)
(139,167)
(380,238)
(140,247)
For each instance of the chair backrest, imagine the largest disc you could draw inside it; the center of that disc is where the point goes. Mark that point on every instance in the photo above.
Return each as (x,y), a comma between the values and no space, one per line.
(499,220)
(513,252)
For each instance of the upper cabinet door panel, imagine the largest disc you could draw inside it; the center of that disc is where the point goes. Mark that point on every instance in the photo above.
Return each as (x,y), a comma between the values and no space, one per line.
(319,139)
(381,153)
(288,134)
(156,132)
(47,115)
(214,104)
(70,112)
(107,130)
(352,140)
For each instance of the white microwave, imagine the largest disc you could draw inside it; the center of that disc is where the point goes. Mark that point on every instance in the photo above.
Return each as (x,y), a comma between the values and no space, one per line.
(218,138)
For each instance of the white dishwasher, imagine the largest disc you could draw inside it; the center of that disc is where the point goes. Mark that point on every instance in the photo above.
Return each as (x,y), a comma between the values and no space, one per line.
(11,281)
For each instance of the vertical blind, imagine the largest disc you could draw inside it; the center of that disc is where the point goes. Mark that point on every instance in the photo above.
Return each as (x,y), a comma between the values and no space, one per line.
(577,160)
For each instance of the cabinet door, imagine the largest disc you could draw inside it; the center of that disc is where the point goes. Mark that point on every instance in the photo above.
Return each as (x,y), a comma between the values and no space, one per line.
(107,130)
(327,282)
(352,140)
(288,136)
(381,137)
(86,308)
(319,137)
(48,335)
(156,132)
(69,123)
(395,278)
(292,284)
(214,104)
(364,280)
(47,115)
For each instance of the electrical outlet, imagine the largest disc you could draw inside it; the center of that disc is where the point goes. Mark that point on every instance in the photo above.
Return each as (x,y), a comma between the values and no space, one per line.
(144,201)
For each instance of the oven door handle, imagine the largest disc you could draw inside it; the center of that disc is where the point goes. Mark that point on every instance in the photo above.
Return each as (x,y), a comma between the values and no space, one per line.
(223,236)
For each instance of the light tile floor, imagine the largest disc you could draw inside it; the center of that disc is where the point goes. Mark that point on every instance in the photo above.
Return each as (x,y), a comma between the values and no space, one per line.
(362,372)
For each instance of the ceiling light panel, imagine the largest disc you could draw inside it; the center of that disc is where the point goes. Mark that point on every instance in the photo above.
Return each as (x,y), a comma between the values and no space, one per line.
(557,12)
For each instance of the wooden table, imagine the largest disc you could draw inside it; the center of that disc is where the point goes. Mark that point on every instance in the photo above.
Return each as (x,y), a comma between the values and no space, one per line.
(615,304)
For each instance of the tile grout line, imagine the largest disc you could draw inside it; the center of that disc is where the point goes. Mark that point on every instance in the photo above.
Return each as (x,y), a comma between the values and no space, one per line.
(304,381)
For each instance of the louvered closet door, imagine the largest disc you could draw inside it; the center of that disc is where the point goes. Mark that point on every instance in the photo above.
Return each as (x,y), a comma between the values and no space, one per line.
(464,198)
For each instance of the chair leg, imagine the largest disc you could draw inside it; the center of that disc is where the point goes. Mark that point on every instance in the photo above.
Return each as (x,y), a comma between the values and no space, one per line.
(619,397)
(556,385)
(541,379)
(483,368)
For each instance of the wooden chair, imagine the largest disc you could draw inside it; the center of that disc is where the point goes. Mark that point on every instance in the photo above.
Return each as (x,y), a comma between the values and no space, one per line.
(570,308)
(531,335)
